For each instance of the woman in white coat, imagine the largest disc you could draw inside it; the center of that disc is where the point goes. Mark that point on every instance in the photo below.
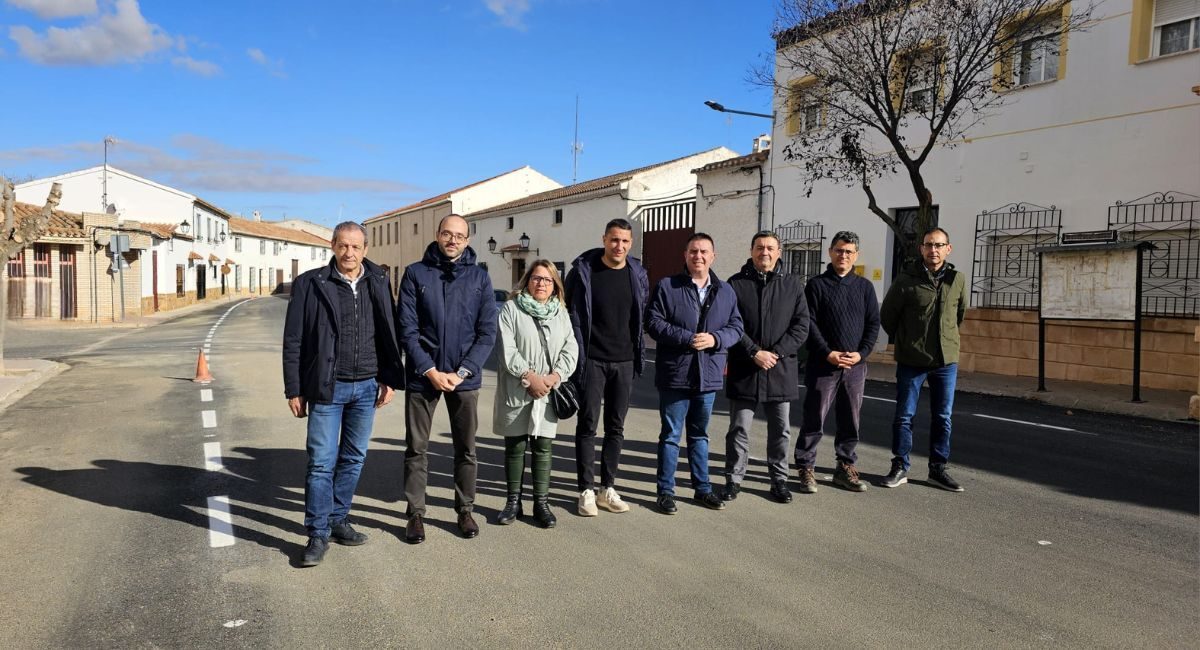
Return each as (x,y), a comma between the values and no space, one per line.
(528,370)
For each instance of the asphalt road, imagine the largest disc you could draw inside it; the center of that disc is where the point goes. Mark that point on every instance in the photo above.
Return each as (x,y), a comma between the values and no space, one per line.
(1083,535)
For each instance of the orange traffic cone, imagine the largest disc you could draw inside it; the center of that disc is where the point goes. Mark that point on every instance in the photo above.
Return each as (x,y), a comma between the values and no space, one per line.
(202,374)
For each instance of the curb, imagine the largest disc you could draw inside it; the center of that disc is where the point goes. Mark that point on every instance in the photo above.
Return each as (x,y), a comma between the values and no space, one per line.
(23,376)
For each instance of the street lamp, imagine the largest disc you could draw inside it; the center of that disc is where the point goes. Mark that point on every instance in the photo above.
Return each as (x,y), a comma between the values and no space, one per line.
(184,227)
(717,106)
(524,241)
(491,242)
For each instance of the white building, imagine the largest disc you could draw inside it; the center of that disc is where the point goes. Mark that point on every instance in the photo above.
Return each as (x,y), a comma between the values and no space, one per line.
(399,237)
(1104,135)
(659,201)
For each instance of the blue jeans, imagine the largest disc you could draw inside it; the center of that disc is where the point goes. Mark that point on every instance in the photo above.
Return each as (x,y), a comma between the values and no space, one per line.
(333,465)
(941,405)
(678,410)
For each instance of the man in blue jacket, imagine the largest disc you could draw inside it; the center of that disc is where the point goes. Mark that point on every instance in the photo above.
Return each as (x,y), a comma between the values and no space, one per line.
(447,321)
(340,363)
(606,295)
(694,318)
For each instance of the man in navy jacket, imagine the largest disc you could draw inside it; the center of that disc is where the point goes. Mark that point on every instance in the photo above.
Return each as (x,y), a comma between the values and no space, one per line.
(447,321)
(340,363)
(694,318)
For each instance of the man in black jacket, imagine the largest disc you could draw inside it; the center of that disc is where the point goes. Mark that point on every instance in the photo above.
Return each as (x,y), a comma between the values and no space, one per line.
(763,366)
(845,325)
(341,361)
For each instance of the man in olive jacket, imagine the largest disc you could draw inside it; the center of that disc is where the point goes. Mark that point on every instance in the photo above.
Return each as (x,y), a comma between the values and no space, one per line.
(921,314)
(763,365)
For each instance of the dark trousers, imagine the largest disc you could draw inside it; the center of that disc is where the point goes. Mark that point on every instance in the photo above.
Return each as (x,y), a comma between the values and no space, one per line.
(418,420)
(843,390)
(541,449)
(612,382)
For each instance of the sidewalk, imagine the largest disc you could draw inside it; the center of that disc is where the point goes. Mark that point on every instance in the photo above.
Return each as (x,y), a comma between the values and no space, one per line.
(1102,398)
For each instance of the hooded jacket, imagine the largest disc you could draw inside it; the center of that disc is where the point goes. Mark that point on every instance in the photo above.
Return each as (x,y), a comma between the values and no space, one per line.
(775,318)
(579,301)
(922,320)
(311,333)
(446,318)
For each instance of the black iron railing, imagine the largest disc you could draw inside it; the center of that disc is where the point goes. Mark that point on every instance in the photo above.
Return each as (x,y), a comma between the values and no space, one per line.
(1170,272)
(802,247)
(1006,270)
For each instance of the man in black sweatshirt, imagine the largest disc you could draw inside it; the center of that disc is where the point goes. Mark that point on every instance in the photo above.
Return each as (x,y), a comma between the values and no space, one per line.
(845,325)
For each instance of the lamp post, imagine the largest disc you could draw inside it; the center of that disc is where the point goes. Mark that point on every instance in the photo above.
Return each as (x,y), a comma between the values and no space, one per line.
(717,106)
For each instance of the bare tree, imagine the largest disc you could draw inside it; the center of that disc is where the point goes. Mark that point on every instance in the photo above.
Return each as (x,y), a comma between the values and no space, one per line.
(873,88)
(15,237)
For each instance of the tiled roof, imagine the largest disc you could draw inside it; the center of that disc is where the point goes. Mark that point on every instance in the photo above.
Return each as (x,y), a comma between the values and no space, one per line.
(579,188)
(749,160)
(268,230)
(62,224)
(437,199)
(162,230)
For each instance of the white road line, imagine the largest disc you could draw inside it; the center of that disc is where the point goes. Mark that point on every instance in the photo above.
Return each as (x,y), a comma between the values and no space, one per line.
(209,418)
(212,457)
(220,522)
(1034,424)
(205,394)
(879,399)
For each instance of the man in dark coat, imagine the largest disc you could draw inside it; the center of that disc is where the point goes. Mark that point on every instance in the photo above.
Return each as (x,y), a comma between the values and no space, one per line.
(447,320)
(606,295)
(340,363)
(763,366)
(694,318)
(845,326)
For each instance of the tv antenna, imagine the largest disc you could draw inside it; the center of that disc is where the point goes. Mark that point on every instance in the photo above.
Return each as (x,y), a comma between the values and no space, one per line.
(576,146)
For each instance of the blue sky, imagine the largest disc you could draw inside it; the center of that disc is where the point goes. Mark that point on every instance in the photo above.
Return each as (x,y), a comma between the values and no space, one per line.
(311,109)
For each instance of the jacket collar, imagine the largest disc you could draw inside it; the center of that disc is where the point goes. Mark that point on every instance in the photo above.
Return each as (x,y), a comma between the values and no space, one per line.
(436,258)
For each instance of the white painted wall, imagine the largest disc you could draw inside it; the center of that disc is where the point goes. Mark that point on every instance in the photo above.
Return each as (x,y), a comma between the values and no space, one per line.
(134,197)
(1109,131)
(728,211)
(508,187)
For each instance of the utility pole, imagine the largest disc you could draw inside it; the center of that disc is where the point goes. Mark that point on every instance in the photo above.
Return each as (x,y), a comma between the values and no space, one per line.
(576,146)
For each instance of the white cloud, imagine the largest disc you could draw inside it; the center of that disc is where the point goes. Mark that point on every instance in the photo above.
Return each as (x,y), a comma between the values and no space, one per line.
(273,66)
(510,12)
(51,9)
(123,36)
(198,164)
(202,68)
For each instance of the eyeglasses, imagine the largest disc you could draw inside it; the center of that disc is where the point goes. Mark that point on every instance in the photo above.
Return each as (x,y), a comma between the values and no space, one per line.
(846,252)
(937,245)
(446,234)
(540,279)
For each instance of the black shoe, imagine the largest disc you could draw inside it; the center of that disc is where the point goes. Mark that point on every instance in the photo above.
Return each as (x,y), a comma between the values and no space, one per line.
(939,477)
(315,551)
(666,504)
(846,477)
(541,512)
(710,501)
(344,534)
(730,492)
(780,492)
(512,510)
(895,478)
(467,525)
(414,532)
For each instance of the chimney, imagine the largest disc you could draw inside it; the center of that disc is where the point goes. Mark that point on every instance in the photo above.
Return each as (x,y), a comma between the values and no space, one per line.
(257,215)
(762,143)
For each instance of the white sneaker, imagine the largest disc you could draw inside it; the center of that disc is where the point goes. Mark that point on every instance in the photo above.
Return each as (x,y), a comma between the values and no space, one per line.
(611,501)
(587,503)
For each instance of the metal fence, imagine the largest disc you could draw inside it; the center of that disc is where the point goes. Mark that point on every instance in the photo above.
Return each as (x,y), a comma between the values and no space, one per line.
(802,244)
(1006,270)
(1170,272)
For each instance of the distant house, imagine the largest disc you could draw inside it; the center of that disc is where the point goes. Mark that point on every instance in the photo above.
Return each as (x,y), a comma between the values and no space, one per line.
(659,200)
(398,237)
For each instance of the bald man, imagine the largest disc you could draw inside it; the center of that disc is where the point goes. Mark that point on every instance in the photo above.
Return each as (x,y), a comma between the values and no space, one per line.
(446,318)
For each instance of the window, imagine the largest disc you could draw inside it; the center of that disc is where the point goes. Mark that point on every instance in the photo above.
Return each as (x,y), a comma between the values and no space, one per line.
(804,112)
(237,278)
(324,254)
(558,216)
(262,247)
(922,83)
(562,268)
(509,224)
(179,281)
(415,229)
(275,248)
(473,224)
(1176,26)
(253,281)
(1036,57)
(237,244)
(387,233)
(314,253)
(375,235)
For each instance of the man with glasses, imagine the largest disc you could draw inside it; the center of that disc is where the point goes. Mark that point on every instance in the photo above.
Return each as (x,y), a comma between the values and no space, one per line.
(845,325)
(764,368)
(446,319)
(921,313)
(606,295)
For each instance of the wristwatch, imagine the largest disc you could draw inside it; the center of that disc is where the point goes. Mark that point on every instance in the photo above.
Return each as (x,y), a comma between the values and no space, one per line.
(463,373)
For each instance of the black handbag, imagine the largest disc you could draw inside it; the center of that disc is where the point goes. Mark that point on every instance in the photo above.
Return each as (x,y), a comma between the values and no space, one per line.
(564,399)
